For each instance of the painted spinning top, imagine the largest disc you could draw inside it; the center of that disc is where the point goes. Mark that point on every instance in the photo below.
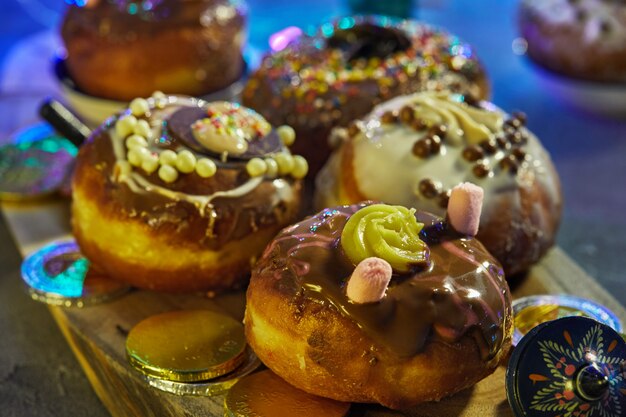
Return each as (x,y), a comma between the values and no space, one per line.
(570,367)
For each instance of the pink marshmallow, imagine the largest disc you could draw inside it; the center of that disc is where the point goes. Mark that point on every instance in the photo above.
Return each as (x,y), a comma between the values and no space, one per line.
(369,281)
(464,207)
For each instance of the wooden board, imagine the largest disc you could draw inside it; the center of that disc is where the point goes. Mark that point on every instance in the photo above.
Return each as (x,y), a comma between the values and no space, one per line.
(97,334)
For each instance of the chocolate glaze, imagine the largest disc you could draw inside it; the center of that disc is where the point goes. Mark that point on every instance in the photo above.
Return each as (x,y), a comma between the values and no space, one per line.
(227,218)
(368,40)
(117,20)
(286,88)
(462,291)
(121,49)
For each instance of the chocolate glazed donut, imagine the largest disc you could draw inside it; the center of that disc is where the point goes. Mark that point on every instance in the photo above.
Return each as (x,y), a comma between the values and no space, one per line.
(177,194)
(443,325)
(584,39)
(338,74)
(124,49)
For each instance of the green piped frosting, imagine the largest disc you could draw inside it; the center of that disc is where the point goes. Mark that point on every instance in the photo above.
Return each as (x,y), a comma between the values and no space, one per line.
(387,232)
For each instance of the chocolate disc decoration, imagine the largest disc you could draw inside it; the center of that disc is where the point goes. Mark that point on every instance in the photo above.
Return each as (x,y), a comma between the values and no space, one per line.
(180,123)
(531,311)
(58,274)
(36,165)
(264,394)
(216,386)
(186,346)
(573,366)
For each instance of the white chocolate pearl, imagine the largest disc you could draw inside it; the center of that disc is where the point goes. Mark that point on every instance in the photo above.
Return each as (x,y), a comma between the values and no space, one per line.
(122,169)
(285,163)
(185,162)
(125,125)
(134,157)
(158,94)
(150,163)
(300,167)
(286,134)
(256,167)
(168,173)
(168,157)
(271,168)
(139,106)
(136,141)
(142,128)
(205,168)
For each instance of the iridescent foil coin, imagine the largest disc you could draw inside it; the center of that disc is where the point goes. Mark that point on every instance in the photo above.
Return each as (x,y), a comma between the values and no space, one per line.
(264,394)
(216,386)
(531,311)
(58,274)
(37,164)
(187,345)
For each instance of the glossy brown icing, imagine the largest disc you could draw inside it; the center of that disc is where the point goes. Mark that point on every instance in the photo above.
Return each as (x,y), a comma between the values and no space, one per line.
(121,19)
(461,292)
(223,218)
(121,49)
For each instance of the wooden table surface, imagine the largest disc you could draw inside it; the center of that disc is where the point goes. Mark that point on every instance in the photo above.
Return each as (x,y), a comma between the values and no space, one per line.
(38,374)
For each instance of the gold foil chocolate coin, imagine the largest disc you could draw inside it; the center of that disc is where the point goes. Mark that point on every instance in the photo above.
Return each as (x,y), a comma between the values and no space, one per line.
(264,394)
(187,345)
(531,311)
(210,388)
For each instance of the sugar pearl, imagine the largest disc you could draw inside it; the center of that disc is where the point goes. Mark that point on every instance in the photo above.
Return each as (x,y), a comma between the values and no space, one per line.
(139,106)
(122,169)
(136,141)
(125,125)
(205,168)
(134,157)
(285,163)
(256,167)
(150,163)
(286,134)
(271,168)
(142,128)
(168,173)
(300,167)
(167,157)
(185,162)
(158,94)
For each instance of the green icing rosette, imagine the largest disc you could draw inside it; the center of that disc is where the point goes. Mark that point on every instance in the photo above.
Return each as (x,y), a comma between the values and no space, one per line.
(387,232)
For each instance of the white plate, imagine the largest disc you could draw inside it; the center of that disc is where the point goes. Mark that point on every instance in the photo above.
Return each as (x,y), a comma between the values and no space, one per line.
(594,97)
(94,110)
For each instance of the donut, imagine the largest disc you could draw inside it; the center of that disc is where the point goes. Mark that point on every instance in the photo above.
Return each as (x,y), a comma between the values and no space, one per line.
(121,50)
(177,194)
(413,149)
(428,315)
(337,74)
(583,39)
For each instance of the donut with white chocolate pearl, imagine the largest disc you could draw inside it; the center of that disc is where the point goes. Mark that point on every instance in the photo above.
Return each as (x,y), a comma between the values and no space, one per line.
(456,141)
(210,182)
